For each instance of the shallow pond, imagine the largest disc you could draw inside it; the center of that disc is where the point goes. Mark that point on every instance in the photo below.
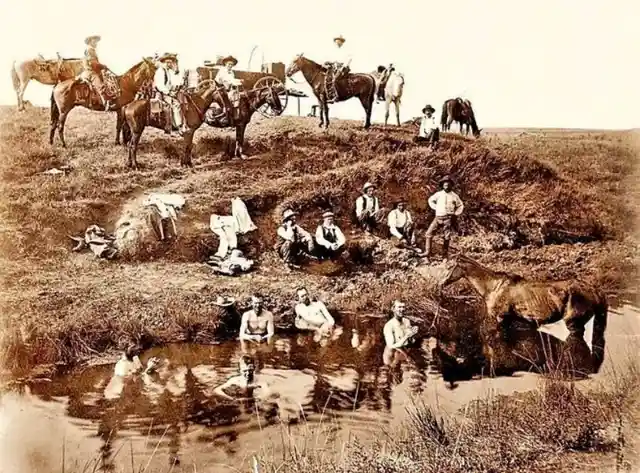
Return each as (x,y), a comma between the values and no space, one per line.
(329,389)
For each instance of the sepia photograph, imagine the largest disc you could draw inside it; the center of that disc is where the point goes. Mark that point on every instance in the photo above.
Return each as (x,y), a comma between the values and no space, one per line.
(319,236)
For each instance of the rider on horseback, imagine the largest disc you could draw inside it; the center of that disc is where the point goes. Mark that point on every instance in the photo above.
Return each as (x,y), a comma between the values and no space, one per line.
(165,83)
(340,67)
(229,85)
(384,73)
(92,72)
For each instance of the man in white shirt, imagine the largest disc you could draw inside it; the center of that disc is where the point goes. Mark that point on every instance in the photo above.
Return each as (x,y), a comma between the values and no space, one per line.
(165,82)
(340,66)
(368,210)
(329,238)
(401,226)
(293,241)
(228,81)
(398,331)
(429,131)
(447,206)
(312,315)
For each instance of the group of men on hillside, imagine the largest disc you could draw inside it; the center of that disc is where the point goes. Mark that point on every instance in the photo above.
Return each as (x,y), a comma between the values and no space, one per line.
(295,242)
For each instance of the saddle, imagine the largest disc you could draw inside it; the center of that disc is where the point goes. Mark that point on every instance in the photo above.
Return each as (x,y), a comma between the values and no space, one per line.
(331,79)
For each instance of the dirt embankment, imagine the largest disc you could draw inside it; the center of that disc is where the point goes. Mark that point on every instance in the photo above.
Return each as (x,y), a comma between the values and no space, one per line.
(544,205)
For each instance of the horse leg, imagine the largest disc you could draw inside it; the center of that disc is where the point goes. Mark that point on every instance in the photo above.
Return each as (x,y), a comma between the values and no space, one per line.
(321,107)
(326,115)
(119,123)
(61,122)
(188,145)
(387,106)
(133,149)
(397,104)
(20,92)
(238,153)
(55,117)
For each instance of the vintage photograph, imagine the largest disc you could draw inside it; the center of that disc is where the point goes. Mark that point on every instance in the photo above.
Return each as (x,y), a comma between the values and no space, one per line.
(319,237)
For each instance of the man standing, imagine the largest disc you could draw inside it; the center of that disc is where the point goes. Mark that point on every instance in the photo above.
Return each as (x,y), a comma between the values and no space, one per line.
(257,324)
(92,69)
(429,131)
(227,79)
(312,315)
(447,206)
(293,241)
(368,210)
(398,332)
(329,237)
(401,226)
(165,83)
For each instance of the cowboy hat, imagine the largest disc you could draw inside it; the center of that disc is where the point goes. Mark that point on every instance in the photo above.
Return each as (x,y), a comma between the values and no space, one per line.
(88,39)
(446,178)
(400,201)
(366,186)
(327,214)
(229,59)
(167,57)
(428,109)
(288,214)
(224,301)
(339,38)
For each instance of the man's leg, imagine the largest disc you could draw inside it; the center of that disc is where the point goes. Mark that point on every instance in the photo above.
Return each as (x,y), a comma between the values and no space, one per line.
(177,115)
(223,246)
(363,220)
(285,250)
(429,236)
(446,235)
(98,85)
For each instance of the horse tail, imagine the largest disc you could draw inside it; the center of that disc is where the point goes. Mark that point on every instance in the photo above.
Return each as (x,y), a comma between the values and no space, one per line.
(55,111)
(14,77)
(597,338)
(444,115)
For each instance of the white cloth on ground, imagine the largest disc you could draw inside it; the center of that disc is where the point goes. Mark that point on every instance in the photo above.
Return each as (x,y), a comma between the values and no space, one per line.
(168,205)
(227,227)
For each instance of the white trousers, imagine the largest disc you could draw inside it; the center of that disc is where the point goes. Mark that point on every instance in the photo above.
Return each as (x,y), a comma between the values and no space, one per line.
(228,240)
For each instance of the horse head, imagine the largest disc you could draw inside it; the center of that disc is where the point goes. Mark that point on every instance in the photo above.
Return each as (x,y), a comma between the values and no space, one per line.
(454,270)
(295,65)
(476,132)
(270,96)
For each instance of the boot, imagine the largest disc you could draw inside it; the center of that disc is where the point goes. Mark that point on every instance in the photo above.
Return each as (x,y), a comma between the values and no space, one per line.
(445,249)
(427,248)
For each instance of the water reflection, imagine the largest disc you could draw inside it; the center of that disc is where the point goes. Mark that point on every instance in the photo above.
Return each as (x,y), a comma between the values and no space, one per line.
(350,378)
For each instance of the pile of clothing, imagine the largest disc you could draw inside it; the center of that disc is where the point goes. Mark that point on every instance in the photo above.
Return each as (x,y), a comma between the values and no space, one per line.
(165,208)
(228,259)
(96,239)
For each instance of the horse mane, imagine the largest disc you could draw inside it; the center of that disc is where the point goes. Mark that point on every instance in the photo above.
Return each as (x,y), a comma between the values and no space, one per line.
(513,277)
(136,66)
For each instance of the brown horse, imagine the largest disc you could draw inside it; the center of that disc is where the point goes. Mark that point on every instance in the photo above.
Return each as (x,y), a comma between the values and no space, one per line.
(459,110)
(264,98)
(45,71)
(512,298)
(197,108)
(358,85)
(73,92)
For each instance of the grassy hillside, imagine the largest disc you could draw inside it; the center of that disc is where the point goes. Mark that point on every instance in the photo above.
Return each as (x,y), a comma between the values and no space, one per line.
(561,197)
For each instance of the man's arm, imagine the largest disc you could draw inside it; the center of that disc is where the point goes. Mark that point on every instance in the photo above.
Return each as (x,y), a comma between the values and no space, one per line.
(459,205)
(159,81)
(359,206)
(304,234)
(270,327)
(320,238)
(376,205)
(244,324)
(327,315)
(391,220)
(389,337)
(433,201)
(220,389)
(285,233)
(340,238)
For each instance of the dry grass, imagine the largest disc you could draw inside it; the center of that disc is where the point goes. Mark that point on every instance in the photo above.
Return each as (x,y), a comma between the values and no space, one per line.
(59,306)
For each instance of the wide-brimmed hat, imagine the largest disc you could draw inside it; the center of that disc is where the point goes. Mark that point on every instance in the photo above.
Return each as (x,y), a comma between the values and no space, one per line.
(327,214)
(88,39)
(400,201)
(224,301)
(428,109)
(446,178)
(229,59)
(288,214)
(167,57)
(339,38)
(367,186)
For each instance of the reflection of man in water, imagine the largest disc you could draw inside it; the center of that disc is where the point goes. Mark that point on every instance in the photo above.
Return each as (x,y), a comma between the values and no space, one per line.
(398,332)
(257,324)
(246,381)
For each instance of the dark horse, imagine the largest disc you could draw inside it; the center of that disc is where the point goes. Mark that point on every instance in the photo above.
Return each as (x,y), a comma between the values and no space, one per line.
(72,92)
(358,85)
(196,110)
(250,101)
(459,110)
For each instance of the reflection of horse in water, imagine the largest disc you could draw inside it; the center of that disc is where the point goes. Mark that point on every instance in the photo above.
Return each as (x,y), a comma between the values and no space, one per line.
(519,307)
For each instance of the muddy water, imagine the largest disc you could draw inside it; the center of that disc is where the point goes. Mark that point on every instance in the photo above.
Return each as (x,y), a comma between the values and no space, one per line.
(333,389)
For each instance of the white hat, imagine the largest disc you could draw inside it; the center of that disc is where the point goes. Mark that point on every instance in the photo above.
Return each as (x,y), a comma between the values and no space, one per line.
(366,186)
(288,214)
(327,214)
(224,301)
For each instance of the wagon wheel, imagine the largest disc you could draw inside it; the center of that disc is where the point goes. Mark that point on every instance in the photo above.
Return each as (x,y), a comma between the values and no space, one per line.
(271,81)
(203,85)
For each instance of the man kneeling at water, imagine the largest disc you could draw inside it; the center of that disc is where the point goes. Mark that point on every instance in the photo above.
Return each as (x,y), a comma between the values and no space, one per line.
(246,381)
(398,332)
(312,315)
(257,324)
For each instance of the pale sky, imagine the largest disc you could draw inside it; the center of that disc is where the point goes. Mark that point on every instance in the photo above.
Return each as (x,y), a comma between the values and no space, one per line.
(542,63)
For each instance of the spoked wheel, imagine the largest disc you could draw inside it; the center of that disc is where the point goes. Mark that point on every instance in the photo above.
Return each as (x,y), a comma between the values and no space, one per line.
(204,85)
(279,89)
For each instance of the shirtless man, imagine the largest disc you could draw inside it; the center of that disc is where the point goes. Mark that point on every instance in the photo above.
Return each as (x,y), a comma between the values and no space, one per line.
(257,324)
(246,380)
(398,332)
(312,315)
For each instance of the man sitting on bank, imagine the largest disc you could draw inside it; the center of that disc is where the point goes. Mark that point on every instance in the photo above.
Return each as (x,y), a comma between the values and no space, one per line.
(329,238)
(368,210)
(293,241)
(401,226)
(257,324)
(312,315)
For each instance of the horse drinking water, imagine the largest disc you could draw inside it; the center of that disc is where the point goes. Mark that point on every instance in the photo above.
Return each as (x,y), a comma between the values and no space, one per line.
(509,297)
(358,85)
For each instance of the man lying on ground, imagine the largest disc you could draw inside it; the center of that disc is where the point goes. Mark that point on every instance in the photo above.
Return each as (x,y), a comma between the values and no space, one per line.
(257,324)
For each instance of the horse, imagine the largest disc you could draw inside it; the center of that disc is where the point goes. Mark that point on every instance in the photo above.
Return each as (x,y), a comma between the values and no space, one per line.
(509,297)
(250,101)
(45,71)
(358,85)
(196,107)
(73,92)
(393,94)
(461,111)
